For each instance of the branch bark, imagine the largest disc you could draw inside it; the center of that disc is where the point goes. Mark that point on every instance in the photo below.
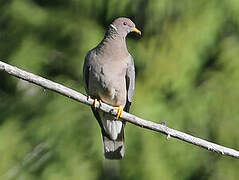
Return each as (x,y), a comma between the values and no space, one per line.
(70,93)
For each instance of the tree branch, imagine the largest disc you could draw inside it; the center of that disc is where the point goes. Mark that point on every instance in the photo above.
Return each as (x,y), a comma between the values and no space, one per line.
(47,84)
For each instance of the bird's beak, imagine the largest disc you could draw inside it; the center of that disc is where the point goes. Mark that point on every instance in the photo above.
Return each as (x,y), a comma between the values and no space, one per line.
(136,30)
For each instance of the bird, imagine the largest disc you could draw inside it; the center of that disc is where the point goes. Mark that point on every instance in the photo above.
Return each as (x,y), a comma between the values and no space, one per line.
(109,77)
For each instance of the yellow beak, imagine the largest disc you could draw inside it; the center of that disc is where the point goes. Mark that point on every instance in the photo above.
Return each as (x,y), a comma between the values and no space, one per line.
(136,30)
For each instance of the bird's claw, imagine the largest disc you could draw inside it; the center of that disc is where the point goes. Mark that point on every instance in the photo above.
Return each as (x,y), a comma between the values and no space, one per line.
(120,111)
(95,103)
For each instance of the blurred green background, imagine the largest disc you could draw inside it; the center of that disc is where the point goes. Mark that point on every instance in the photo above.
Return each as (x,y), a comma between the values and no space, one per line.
(187,74)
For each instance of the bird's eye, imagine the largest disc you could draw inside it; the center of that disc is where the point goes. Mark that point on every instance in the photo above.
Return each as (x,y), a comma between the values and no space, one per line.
(124,23)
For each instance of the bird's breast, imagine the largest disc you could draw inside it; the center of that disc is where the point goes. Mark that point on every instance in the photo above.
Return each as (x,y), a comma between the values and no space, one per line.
(109,84)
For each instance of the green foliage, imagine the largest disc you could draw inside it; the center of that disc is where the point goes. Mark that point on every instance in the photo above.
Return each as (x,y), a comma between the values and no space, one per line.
(187,72)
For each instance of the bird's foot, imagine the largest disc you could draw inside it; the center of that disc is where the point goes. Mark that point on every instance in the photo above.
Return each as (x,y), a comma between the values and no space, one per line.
(95,102)
(120,111)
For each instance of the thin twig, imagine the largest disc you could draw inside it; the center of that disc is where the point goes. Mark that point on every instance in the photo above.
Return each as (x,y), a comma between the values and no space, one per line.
(47,84)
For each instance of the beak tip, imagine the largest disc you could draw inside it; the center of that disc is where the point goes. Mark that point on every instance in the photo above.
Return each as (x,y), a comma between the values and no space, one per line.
(137,31)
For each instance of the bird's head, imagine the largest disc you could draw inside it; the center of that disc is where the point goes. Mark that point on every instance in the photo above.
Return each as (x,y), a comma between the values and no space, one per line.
(123,26)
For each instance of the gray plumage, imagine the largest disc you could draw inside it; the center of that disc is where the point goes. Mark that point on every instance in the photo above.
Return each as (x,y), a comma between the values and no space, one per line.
(109,76)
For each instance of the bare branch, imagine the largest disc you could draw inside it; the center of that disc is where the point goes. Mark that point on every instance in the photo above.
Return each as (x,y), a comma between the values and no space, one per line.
(47,84)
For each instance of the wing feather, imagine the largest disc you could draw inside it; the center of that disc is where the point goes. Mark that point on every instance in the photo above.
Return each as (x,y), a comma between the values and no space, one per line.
(130,83)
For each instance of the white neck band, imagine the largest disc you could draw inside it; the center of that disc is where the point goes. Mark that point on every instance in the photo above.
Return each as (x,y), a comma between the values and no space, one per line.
(113,27)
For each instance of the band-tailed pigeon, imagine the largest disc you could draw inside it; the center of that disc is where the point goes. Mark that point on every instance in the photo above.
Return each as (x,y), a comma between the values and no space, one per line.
(109,76)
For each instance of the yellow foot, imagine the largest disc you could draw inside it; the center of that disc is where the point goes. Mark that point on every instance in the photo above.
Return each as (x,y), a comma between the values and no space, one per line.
(120,111)
(95,102)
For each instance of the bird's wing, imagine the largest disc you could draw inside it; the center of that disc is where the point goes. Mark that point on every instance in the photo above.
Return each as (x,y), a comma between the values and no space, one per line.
(86,70)
(130,83)
(86,73)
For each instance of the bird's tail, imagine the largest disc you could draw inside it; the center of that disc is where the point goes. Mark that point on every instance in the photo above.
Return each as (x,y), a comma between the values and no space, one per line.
(114,149)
